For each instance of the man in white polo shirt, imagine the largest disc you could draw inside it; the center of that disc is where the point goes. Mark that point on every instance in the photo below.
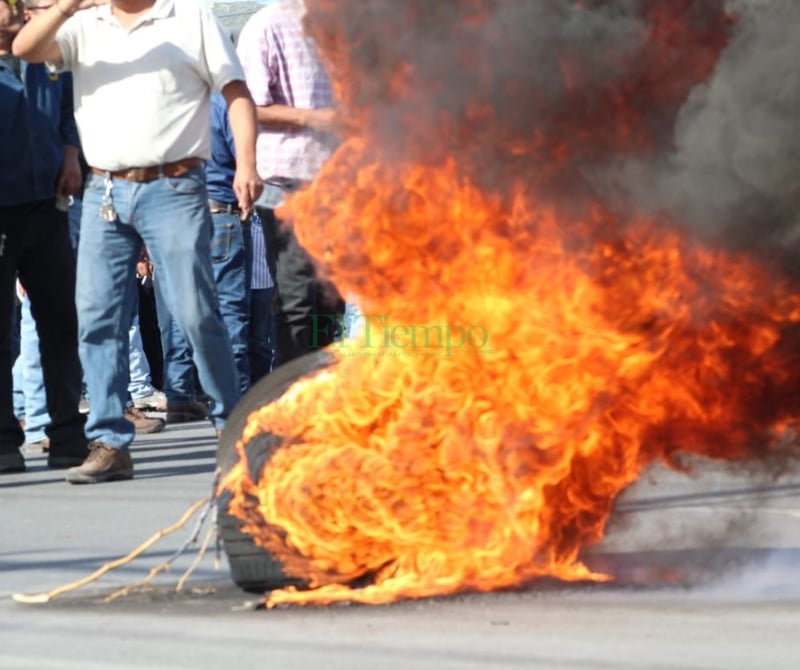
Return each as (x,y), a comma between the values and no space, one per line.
(143,74)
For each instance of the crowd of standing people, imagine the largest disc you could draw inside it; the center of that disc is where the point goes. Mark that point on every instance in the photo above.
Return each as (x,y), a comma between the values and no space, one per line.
(176,147)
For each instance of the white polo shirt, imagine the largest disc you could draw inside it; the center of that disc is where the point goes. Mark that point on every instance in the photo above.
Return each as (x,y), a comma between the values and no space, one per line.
(142,95)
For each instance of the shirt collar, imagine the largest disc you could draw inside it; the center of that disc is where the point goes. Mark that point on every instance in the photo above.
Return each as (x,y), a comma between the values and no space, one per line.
(162,9)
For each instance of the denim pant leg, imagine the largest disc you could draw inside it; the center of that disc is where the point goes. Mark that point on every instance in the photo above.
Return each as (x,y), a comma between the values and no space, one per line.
(11,222)
(353,319)
(140,385)
(16,336)
(18,394)
(261,341)
(180,385)
(229,264)
(106,299)
(29,362)
(47,271)
(174,221)
(74,216)
(229,261)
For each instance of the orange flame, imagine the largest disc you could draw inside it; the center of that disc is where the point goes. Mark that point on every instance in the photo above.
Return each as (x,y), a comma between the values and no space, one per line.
(519,366)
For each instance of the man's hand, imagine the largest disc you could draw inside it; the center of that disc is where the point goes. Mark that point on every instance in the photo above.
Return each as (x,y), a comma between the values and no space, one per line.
(70,178)
(144,266)
(248,186)
(72,6)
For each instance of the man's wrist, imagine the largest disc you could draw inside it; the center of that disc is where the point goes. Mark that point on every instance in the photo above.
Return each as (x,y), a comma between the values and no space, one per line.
(303,117)
(61,10)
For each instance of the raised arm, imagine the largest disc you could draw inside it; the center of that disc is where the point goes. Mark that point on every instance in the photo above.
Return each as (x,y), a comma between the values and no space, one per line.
(36,42)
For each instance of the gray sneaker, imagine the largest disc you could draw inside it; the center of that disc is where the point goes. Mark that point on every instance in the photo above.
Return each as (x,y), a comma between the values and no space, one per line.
(103,464)
(156,402)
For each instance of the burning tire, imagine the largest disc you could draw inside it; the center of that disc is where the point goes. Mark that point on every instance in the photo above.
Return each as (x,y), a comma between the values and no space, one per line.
(252,567)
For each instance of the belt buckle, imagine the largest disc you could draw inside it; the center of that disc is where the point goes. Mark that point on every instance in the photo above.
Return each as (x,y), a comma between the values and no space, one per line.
(219,207)
(137,174)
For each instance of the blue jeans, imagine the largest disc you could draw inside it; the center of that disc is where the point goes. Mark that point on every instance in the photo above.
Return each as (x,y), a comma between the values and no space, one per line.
(28,378)
(29,395)
(262,333)
(170,215)
(352,322)
(16,371)
(140,385)
(229,262)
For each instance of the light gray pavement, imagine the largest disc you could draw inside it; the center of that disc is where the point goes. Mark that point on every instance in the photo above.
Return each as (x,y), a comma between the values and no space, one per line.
(672,533)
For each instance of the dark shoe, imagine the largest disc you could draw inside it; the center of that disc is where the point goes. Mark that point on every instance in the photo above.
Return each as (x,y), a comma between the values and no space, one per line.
(104,464)
(36,448)
(11,461)
(193,410)
(144,424)
(67,455)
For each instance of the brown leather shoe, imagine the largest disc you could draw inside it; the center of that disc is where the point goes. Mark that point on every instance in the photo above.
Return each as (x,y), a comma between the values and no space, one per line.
(193,410)
(104,464)
(144,425)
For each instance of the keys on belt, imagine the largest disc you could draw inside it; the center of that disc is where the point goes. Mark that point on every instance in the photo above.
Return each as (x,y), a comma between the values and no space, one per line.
(139,174)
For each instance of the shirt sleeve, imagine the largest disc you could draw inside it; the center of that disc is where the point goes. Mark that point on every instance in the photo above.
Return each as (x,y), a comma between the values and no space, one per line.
(228,133)
(220,123)
(258,55)
(68,128)
(222,63)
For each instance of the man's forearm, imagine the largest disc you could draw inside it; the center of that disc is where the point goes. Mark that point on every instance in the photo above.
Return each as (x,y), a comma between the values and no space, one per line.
(242,120)
(280,116)
(71,152)
(36,42)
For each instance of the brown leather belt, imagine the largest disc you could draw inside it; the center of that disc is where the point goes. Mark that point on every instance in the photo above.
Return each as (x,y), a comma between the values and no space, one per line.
(153,172)
(219,207)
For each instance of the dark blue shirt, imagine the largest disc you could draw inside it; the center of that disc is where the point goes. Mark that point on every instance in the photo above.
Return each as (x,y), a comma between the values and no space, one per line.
(221,167)
(36,120)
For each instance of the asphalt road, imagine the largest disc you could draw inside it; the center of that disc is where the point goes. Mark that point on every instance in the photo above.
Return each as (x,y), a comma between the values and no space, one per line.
(707,572)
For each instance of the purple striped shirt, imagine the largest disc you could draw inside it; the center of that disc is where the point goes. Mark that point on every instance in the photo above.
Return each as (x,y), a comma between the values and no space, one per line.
(281,66)
(261,276)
